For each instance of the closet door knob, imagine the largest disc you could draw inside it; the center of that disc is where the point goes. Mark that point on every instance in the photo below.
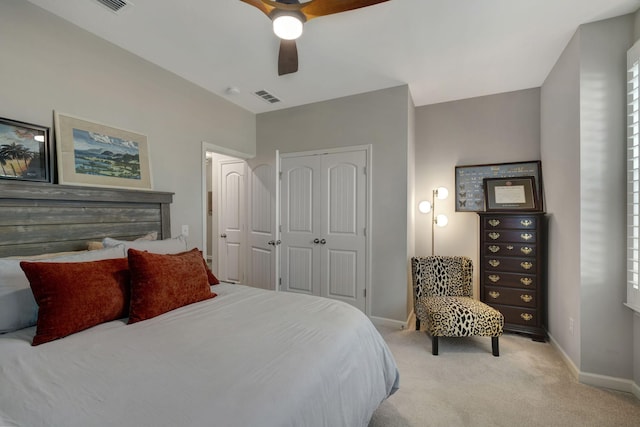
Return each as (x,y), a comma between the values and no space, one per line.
(316,241)
(323,241)
(223,235)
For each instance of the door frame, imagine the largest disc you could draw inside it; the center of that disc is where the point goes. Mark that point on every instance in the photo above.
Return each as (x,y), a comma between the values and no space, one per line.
(368,148)
(209,147)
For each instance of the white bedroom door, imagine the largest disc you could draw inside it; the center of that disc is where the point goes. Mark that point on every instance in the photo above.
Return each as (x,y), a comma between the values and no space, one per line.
(323,218)
(231,221)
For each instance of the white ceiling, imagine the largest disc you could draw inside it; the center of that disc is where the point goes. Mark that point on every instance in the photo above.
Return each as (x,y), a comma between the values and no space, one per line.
(443,49)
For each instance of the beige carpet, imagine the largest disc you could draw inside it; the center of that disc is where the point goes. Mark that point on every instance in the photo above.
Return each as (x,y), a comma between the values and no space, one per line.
(528,385)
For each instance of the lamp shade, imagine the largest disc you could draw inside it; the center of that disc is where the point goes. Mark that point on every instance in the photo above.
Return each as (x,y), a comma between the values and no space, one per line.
(287,27)
(442,193)
(441,220)
(424,206)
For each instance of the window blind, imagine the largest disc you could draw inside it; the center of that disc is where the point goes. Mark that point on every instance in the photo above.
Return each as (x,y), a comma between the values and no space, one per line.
(633,177)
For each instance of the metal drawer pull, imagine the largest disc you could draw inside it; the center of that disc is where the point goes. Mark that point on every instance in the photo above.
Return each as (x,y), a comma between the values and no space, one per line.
(526,236)
(494,222)
(494,278)
(526,281)
(526,222)
(494,294)
(494,262)
(526,250)
(526,265)
(526,298)
(526,316)
(494,236)
(494,248)
(510,247)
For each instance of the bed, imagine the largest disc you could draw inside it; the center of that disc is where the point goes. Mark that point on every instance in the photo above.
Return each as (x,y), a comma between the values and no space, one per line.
(246,357)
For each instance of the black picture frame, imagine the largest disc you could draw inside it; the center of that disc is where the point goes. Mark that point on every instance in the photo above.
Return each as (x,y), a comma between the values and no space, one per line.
(511,194)
(469,179)
(25,151)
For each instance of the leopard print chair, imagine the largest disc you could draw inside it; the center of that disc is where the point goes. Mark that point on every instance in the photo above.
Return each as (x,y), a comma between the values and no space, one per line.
(443,298)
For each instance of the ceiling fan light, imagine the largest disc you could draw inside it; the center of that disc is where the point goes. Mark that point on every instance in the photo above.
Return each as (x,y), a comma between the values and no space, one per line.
(287,27)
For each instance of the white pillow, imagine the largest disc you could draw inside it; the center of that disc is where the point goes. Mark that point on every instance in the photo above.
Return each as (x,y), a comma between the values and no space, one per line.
(166,246)
(92,246)
(18,308)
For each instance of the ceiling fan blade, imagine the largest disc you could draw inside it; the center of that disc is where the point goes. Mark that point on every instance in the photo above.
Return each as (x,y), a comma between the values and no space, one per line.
(288,57)
(317,8)
(264,7)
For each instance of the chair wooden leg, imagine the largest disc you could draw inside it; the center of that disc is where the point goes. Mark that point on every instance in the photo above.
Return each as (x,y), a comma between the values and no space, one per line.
(434,345)
(494,346)
(417,324)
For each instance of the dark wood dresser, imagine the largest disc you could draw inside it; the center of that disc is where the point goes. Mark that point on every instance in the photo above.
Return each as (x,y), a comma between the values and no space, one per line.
(513,270)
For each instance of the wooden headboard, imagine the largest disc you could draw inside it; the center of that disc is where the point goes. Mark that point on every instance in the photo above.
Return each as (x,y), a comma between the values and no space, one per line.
(39,218)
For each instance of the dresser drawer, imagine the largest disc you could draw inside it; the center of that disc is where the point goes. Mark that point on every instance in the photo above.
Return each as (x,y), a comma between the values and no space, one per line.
(512,269)
(510,236)
(510,249)
(518,315)
(509,296)
(509,264)
(523,281)
(518,222)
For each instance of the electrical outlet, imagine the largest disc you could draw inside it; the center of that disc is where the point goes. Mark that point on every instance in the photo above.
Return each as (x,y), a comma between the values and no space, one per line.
(571,325)
(185,230)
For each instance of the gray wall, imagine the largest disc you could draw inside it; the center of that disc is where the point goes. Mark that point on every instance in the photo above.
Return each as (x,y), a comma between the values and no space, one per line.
(583,152)
(49,64)
(489,129)
(603,51)
(560,154)
(379,118)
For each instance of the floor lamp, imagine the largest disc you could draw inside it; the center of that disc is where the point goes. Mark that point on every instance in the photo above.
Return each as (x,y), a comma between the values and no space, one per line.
(440,220)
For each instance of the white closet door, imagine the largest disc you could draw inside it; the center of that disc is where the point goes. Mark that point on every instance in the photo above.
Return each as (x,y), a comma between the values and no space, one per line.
(323,217)
(343,219)
(231,226)
(300,222)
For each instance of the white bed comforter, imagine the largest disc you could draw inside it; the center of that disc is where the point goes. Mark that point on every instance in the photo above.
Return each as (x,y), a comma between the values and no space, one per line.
(246,358)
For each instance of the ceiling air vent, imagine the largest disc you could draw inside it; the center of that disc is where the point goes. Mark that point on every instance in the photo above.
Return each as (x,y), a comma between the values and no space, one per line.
(116,6)
(266,96)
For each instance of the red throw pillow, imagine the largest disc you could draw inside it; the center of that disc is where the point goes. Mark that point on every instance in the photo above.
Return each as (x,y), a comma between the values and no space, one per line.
(74,296)
(161,283)
(213,280)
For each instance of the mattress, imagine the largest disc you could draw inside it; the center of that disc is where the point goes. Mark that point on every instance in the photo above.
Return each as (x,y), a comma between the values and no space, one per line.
(249,357)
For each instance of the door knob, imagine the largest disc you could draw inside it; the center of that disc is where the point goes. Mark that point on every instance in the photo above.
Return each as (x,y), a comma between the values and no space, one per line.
(271,242)
(316,241)
(323,241)
(223,235)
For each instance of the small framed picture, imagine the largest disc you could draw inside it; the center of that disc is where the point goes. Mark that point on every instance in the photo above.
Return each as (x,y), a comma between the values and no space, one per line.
(511,194)
(25,151)
(98,155)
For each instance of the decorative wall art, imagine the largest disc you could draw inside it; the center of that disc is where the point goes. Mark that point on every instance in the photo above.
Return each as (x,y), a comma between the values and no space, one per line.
(25,151)
(510,194)
(97,155)
(470,182)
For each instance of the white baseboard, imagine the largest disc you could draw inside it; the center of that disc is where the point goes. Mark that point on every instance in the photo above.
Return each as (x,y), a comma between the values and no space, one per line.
(382,321)
(565,357)
(604,381)
(635,389)
(596,380)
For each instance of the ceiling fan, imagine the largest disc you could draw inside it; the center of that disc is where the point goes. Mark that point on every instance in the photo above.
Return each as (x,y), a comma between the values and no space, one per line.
(288,17)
